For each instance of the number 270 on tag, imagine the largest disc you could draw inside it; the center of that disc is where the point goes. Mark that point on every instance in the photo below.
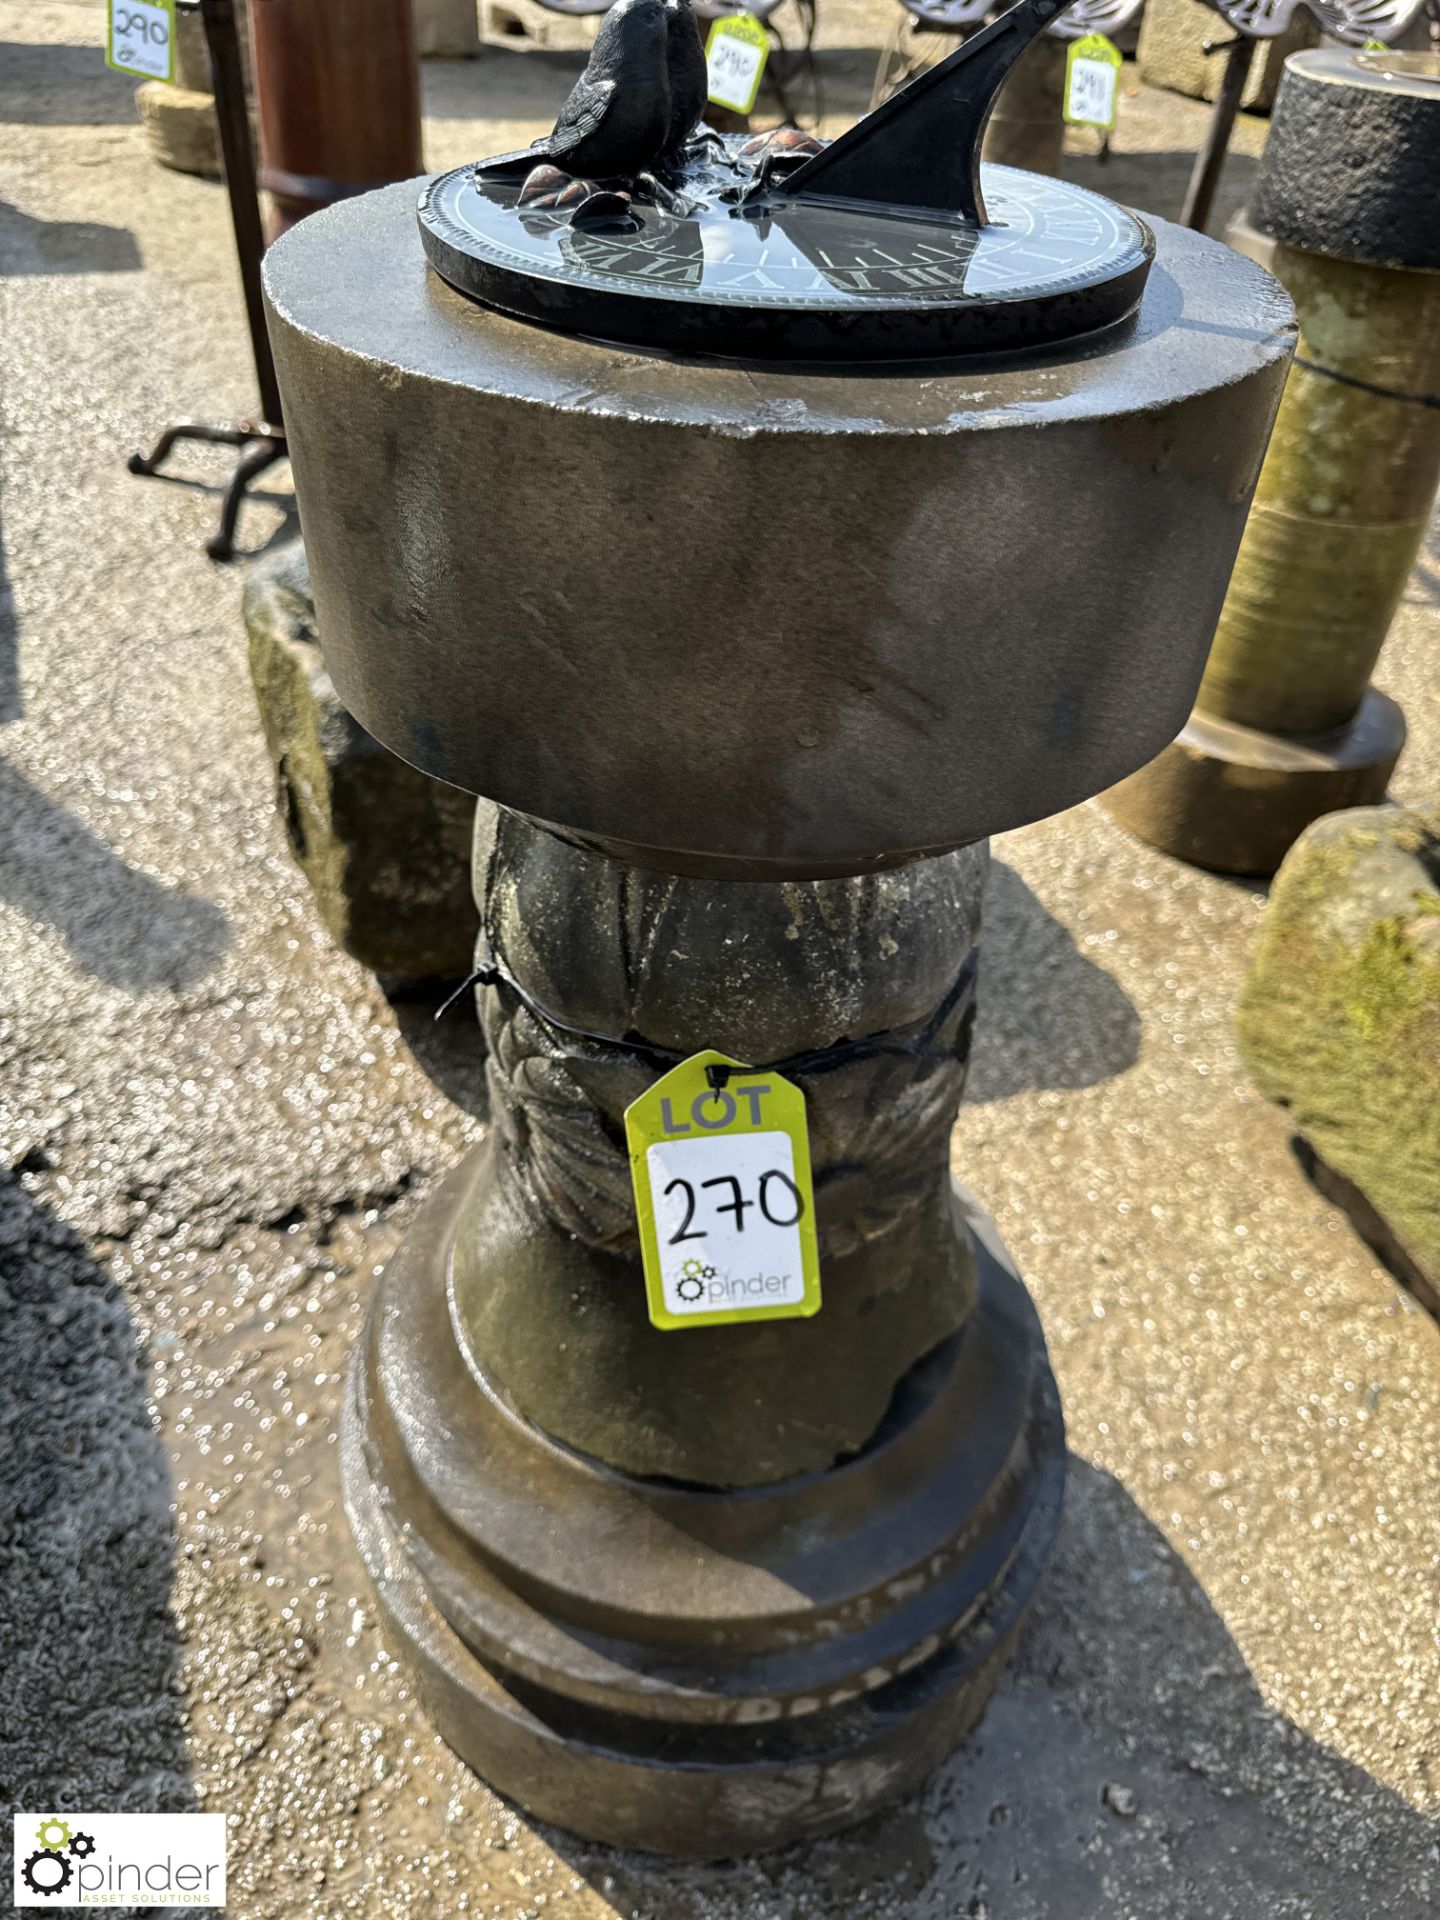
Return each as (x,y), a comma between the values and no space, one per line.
(723,1195)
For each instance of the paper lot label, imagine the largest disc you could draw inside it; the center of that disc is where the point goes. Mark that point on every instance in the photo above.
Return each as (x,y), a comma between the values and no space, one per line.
(119,1859)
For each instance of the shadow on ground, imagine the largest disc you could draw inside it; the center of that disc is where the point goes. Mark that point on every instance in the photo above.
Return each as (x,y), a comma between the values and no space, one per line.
(121,926)
(28,245)
(222,460)
(57,86)
(1049,1017)
(445,1042)
(1127,1766)
(89,1653)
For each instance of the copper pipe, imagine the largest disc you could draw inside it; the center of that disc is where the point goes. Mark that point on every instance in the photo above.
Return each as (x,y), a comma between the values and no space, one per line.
(337,87)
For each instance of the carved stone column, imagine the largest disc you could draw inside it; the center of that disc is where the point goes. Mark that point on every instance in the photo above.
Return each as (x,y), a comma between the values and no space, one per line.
(862,992)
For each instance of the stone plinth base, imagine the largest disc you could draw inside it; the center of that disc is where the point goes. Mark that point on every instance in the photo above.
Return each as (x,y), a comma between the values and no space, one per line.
(679,1668)
(1235,799)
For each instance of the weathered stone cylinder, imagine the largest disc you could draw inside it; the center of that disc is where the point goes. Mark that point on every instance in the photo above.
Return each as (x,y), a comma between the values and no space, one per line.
(1343,503)
(752,658)
(1287,726)
(843,673)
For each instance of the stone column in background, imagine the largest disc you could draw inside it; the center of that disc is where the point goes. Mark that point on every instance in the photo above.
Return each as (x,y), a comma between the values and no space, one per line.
(1287,726)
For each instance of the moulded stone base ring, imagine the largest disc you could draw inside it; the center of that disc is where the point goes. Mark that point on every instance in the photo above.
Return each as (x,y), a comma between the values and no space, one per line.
(683,1669)
(1236,799)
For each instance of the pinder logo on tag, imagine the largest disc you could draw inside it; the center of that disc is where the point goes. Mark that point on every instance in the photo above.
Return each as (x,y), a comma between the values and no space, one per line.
(113,1859)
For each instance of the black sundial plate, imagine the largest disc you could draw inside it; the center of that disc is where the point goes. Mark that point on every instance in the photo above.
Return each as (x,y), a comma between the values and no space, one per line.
(799,279)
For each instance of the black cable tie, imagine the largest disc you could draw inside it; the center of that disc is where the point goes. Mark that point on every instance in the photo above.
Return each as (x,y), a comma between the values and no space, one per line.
(482,977)
(841,1053)
(1368,386)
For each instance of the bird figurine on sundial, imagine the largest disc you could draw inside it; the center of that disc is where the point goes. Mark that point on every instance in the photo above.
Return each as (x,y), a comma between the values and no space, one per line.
(631,221)
(630,117)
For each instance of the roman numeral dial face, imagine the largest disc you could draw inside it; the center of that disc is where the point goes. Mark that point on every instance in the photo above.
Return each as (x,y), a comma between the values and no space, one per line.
(801,279)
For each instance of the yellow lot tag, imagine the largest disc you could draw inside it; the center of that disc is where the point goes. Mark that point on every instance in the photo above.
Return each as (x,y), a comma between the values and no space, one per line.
(735,54)
(140,38)
(1092,81)
(724,1196)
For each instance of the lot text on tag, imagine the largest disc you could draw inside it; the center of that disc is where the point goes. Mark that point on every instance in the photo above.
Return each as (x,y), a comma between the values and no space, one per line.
(140,38)
(1092,81)
(724,1196)
(735,56)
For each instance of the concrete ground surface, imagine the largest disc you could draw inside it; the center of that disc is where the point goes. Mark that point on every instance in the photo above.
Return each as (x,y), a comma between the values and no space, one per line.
(215,1127)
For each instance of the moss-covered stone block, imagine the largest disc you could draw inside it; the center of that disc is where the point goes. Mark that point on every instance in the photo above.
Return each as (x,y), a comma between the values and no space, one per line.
(1340,1020)
(386,849)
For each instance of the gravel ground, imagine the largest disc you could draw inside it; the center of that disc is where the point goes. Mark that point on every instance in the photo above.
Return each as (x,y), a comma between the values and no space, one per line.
(214,1126)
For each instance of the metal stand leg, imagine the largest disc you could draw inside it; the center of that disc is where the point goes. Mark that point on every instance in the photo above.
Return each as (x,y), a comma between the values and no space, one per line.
(263,445)
(262,441)
(1210,160)
(262,453)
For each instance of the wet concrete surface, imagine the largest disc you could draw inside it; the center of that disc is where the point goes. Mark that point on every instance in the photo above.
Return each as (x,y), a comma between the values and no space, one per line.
(214,1127)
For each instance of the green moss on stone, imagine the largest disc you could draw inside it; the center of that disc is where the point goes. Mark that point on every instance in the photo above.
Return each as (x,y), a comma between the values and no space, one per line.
(1340,1017)
(1390,986)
